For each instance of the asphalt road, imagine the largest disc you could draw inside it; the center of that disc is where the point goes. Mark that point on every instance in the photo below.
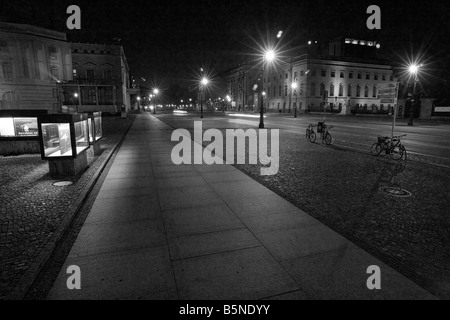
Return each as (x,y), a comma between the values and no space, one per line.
(428,138)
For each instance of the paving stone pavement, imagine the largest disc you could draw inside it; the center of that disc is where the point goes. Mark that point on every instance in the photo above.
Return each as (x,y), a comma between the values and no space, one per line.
(161,231)
(33,211)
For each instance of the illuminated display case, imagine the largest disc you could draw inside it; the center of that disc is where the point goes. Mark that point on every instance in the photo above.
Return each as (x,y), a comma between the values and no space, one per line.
(95,127)
(63,135)
(20,123)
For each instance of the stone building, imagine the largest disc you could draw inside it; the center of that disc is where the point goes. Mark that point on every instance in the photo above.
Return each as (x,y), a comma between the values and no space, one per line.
(241,87)
(32,61)
(101,79)
(346,70)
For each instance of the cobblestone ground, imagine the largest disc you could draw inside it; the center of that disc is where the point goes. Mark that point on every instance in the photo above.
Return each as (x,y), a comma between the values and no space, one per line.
(341,188)
(31,208)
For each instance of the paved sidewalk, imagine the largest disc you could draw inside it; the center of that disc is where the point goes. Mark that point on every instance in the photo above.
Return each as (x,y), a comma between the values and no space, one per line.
(161,231)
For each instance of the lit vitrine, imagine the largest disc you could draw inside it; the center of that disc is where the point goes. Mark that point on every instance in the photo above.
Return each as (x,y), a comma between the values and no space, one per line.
(63,135)
(19,123)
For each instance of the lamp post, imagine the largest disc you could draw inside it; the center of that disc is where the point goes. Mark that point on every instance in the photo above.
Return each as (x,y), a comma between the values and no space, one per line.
(268,57)
(203,84)
(294,90)
(75,96)
(139,103)
(155,94)
(413,70)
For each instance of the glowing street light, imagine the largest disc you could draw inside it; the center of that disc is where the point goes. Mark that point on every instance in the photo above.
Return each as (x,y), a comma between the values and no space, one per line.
(294,86)
(269,56)
(413,70)
(155,94)
(203,83)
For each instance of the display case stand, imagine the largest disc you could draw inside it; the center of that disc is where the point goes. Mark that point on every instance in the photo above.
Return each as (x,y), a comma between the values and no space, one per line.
(67,167)
(94,150)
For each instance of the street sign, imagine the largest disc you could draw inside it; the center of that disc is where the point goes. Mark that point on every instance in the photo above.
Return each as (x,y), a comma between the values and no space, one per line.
(387,92)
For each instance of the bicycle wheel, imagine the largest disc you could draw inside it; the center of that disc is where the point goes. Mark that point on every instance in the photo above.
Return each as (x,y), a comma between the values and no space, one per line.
(328,139)
(397,152)
(384,148)
(312,137)
(375,149)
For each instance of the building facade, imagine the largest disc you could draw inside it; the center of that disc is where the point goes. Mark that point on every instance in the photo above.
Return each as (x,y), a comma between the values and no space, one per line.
(241,88)
(32,61)
(341,76)
(101,79)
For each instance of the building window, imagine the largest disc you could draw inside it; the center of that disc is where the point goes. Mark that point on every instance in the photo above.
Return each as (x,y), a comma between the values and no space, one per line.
(302,73)
(313,89)
(332,90)
(313,72)
(341,74)
(7,70)
(323,73)
(281,76)
(55,72)
(286,76)
(391,78)
(107,75)
(333,73)
(295,74)
(92,98)
(52,53)
(374,92)
(349,90)
(341,90)
(274,78)
(90,74)
(109,95)
(3,46)
(285,90)
(358,90)
(359,75)
(383,77)
(322,89)
(279,90)
(366,91)
(350,75)
(367,76)
(375,76)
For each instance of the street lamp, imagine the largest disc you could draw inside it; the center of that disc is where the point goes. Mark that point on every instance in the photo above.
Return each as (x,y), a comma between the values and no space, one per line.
(203,83)
(269,56)
(155,94)
(294,90)
(75,95)
(413,70)
(139,103)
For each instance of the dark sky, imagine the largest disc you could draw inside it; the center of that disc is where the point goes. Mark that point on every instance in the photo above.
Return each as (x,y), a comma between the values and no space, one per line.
(167,41)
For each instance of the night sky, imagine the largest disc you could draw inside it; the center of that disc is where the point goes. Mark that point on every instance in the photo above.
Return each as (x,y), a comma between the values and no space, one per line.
(167,41)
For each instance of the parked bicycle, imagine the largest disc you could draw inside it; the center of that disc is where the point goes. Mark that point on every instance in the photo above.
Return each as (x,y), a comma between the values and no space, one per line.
(310,134)
(325,134)
(392,147)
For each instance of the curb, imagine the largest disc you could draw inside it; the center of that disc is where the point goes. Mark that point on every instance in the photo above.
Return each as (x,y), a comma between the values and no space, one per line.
(33,271)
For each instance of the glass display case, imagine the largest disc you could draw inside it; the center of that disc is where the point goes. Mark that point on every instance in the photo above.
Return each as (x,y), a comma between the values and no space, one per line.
(19,123)
(63,135)
(95,126)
